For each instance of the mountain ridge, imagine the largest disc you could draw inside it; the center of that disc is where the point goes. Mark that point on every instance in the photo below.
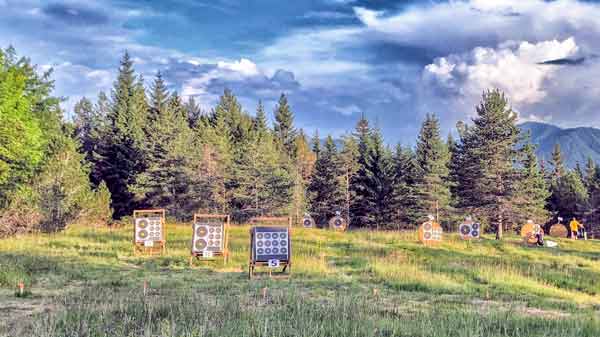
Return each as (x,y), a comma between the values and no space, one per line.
(577,144)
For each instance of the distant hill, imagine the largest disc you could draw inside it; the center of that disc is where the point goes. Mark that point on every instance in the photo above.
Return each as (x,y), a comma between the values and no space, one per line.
(577,144)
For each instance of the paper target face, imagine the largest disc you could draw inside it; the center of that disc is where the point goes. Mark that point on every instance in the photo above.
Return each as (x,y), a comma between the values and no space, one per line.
(208,237)
(308,222)
(271,243)
(148,229)
(469,230)
(338,223)
(430,232)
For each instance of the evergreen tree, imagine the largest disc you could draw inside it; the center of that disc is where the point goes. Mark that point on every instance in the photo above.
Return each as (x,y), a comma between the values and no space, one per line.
(159,98)
(194,112)
(558,168)
(372,184)
(170,156)
(284,126)
(590,173)
(432,162)
(570,196)
(405,200)
(229,111)
(488,158)
(532,192)
(348,158)
(118,157)
(325,192)
(260,120)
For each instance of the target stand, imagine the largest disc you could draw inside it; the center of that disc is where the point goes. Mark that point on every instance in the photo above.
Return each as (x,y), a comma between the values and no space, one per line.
(430,233)
(271,246)
(469,230)
(210,238)
(149,232)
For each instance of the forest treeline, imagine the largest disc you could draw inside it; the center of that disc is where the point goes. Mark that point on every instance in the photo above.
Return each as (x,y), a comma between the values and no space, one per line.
(144,146)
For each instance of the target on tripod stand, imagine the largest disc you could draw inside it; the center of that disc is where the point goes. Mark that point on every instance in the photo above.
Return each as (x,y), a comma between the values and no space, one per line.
(470,230)
(270,243)
(208,237)
(430,232)
(308,221)
(338,223)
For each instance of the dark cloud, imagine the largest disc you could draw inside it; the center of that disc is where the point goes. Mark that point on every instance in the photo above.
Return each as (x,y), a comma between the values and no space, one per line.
(75,15)
(564,62)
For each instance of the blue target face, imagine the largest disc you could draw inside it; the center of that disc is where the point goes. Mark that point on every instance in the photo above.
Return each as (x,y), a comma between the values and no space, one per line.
(270,243)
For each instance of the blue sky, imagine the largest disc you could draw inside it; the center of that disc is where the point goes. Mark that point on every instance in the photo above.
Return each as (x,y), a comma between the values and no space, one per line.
(395,61)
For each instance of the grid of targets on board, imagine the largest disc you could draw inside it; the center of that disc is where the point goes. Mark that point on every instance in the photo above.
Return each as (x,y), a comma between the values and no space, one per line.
(208,237)
(149,229)
(432,233)
(470,229)
(271,243)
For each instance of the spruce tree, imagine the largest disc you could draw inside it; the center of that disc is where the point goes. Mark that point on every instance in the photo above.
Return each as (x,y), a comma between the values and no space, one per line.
(325,192)
(432,162)
(348,158)
(405,201)
(118,156)
(488,157)
(558,168)
(531,193)
(285,132)
(260,121)
(194,112)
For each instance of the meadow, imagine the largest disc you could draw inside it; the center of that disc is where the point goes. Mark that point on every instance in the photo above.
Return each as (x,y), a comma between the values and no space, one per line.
(87,282)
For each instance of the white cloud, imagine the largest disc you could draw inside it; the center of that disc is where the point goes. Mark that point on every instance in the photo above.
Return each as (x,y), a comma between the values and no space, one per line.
(243,66)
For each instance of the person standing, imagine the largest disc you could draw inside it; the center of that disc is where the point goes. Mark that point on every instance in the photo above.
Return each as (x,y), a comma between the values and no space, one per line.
(574,226)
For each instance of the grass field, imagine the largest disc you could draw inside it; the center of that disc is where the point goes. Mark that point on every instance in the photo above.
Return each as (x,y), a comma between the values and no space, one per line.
(87,282)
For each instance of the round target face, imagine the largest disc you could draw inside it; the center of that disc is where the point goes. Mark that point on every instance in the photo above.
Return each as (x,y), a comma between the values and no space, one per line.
(268,250)
(267,235)
(211,236)
(427,235)
(260,251)
(143,234)
(259,243)
(218,230)
(338,222)
(210,243)
(268,243)
(427,226)
(217,236)
(465,229)
(211,230)
(200,244)
(282,242)
(275,236)
(259,235)
(143,223)
(201,231)
(307,223)
(475,233)
(275,250)
(275,243)
(476,226)
(283,235)
(283,250)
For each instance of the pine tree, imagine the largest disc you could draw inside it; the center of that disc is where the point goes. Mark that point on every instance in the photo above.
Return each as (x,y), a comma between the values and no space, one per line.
(558,168)
(488,157)
(325,192)
(260,120)
(348,158)
(405,200)
(570,196)
(532,192)
(372,184)
(194,112)
(118,156)
(432,161)
(590,172)
(229,111)
(159,97)
(285,132)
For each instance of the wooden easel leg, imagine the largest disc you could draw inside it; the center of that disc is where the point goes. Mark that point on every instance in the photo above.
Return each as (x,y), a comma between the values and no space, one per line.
(191,261)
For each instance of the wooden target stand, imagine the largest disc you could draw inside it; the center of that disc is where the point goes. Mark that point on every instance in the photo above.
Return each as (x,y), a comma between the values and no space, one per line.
(157,247)
(253,262)
(199,256)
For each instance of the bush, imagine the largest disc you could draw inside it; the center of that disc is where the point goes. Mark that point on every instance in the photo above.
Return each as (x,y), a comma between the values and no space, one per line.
(96,209)
(22,214)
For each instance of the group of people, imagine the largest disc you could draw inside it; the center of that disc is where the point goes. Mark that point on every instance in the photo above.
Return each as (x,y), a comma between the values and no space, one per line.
(577,230)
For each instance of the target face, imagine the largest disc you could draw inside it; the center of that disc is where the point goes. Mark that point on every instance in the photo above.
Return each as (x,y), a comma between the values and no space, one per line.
(148,229)
(469,230)
(430,233)
(559,231)
(208,237)
(338,223)
(308,222)
(270,243)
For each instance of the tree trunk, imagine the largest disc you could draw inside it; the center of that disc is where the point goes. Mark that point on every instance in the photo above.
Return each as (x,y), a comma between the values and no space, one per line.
(500,228)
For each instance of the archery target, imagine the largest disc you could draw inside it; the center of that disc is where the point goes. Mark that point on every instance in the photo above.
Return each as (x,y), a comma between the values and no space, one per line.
(271,243)
(469,230)
(148,229)
(559,231)
(308,222)
(338,223)
(208,237)
(430,232)
(528,232)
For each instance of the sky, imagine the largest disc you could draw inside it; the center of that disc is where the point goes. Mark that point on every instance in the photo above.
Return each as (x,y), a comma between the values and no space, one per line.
(393,61)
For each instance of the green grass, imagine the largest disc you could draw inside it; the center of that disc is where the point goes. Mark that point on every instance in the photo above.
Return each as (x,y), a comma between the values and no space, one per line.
(87,282)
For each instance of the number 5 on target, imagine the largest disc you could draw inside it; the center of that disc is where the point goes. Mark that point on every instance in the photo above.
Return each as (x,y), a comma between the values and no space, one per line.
(273,263)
